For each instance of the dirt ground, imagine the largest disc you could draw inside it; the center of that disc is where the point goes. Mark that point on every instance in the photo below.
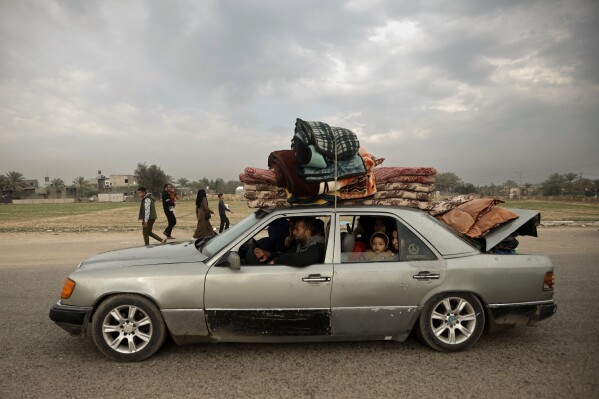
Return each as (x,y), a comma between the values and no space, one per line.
(557,358)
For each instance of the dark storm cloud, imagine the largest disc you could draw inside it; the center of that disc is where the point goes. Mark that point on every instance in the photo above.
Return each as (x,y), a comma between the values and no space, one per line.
(478,88)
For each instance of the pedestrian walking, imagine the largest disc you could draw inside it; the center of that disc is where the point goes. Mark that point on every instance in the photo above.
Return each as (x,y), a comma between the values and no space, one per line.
(169,200)
(203,213)
(147,215)
(222,213)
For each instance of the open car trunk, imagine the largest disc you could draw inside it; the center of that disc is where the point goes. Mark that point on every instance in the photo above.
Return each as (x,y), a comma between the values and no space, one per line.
(502,239)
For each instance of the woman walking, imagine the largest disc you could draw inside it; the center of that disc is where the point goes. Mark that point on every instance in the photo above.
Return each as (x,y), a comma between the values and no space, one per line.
(203,213)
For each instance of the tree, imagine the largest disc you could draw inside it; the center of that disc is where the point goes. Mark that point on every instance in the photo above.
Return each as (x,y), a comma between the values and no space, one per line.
(553,185)
(57,183)
(151,177)
(183,182)
(231,186)
(569,186)
(447,181)
(80,183)
(3,182)
(15,181)
(467,188)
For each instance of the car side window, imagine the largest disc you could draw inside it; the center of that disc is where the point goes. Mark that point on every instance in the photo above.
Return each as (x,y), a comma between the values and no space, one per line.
(278,238)
(372,238)
(409,247)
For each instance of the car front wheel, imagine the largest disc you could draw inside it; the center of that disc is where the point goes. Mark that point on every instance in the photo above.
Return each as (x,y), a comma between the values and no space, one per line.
(128,328)
(451,322)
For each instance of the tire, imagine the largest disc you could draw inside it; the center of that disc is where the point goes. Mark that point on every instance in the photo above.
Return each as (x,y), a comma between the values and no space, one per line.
(128,328)
(451,322)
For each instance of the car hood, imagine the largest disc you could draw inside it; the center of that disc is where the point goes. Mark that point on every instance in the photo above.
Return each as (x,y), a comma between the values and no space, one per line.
(171,253)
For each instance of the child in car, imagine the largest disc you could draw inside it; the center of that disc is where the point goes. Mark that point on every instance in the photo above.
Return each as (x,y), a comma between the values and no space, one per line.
(379,244)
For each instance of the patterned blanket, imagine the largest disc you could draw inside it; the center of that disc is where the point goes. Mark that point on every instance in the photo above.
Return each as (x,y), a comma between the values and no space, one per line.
(403,194)
(384,173)
(257,175)
(420,187)
(325,139)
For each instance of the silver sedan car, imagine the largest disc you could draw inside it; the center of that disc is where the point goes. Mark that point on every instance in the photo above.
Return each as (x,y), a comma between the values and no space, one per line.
(429,280)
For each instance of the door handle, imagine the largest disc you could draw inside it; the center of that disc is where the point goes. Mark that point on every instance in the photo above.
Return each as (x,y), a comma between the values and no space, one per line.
(425,276)
(316,278)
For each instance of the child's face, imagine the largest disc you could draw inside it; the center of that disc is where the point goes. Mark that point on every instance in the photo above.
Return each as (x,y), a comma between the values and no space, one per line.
(378,244)
(395,240)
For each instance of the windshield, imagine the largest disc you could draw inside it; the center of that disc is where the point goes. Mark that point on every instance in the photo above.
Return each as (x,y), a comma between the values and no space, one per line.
(218,242)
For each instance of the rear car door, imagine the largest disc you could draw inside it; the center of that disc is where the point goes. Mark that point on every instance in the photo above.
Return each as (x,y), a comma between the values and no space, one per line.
(379,299)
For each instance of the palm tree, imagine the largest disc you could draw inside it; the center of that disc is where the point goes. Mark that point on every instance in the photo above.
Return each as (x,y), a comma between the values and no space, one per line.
(3,182)
(57,183)
(183,182)
(15,181)
(80,183)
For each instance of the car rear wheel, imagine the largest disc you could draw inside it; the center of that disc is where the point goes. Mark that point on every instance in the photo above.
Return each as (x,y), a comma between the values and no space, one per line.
(451,322)
(128,328)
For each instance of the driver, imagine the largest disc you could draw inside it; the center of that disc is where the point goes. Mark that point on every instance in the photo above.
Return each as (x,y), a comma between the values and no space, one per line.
(310,247)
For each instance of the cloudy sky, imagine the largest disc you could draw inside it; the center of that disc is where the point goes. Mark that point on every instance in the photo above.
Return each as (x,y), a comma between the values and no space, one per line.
(491,91)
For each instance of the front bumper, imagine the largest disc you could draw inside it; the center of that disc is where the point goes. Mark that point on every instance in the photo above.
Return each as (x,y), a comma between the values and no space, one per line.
(521,314)
(72,319)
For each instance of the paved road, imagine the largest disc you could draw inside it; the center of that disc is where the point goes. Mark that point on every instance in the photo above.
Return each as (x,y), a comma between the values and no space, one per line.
(556,359)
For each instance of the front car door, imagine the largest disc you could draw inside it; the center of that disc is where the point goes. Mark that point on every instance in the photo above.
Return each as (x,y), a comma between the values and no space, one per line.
(263,302)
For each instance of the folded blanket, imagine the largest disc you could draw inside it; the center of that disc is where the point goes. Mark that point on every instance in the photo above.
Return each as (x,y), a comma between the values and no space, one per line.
(383,173)
(424,205)
(406,179)
(253,195)
(477,217)
(260,187)
(326,139)
(284,164)
(258,174)
(420,187)
(440,207)
(345,168)
(266,203)
(403,194)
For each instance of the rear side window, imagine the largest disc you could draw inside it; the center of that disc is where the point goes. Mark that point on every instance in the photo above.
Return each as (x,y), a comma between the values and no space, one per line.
(410,247)
(363,235)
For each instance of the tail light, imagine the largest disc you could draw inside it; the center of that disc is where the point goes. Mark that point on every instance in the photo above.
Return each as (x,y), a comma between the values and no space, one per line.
(548,282)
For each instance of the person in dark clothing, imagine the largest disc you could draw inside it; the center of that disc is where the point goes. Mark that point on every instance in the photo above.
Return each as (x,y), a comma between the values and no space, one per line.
(147,215)
(310,248)
(168,204)
(277,233)
(222,212)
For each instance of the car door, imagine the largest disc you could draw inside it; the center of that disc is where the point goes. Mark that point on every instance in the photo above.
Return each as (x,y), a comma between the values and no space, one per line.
(380,298)
(269,300)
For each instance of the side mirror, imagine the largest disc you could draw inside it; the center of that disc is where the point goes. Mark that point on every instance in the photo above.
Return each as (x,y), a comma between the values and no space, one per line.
(234,261)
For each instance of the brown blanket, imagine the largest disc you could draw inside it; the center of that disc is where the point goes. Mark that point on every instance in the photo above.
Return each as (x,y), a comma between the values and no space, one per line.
(403,194)
(277,194)
(383,173)
(475,218)
(284,165)
(257,175)
(420,187)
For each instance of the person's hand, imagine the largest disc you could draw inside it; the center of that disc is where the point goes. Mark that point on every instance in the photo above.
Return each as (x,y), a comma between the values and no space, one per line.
(144,224)
(288,240)
(261,255)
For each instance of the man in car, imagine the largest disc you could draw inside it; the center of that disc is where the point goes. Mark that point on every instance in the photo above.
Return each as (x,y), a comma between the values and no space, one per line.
(310,247)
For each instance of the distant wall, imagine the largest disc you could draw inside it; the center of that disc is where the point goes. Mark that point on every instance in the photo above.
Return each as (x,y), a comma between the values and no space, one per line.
(111,197)
(44,201)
